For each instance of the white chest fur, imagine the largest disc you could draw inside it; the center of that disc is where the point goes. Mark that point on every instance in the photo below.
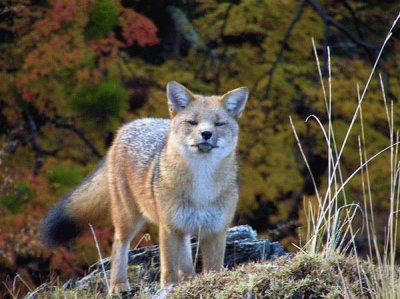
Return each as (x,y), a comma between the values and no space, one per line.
(201,212)
(192,220)
(206,186)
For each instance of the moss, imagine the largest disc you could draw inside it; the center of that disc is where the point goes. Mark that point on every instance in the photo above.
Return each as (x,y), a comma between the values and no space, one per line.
(103,17)
(300,276)
(60,293)
(303,276)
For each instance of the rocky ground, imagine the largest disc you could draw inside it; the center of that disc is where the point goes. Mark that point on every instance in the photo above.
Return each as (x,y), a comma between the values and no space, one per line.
(242,247)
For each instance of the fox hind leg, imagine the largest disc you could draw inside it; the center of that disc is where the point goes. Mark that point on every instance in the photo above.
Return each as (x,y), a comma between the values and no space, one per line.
(120,249)
(127,221)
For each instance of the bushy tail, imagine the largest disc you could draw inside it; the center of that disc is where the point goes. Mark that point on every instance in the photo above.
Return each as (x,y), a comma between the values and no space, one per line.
(88,203)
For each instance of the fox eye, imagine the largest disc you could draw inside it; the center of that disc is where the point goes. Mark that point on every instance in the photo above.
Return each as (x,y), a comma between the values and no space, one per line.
(192,122)
(219,124)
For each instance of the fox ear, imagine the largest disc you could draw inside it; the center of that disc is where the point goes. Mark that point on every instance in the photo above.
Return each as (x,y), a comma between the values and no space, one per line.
(178,97)
(235,101)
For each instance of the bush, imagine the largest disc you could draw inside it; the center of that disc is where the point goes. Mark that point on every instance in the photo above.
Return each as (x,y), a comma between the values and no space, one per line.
(21,194)
(103,17)
(105,101)
(65,176)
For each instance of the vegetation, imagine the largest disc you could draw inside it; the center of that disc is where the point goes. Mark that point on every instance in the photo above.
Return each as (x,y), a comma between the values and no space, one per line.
(302,276)
(103,102)
(20,195)
(70,74)
(103,16)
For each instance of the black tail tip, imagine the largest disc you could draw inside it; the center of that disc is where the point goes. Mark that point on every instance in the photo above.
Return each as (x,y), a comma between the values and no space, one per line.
(58,228)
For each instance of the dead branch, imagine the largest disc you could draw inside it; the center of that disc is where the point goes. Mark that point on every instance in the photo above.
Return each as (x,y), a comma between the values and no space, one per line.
(224,51)
(59,123)
(355,18)
(39,151)
(369,49)
(331,21)
(271,71)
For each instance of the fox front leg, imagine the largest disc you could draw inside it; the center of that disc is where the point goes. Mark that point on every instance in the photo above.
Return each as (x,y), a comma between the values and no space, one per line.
(213,251)
(186,259)
(171,247)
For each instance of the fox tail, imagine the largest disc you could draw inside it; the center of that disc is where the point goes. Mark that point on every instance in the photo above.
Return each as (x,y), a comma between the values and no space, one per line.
(87,203)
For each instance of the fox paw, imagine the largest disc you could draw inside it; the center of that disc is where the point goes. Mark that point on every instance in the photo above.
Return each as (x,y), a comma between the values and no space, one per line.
(119,287)
(186,276)
(164,292)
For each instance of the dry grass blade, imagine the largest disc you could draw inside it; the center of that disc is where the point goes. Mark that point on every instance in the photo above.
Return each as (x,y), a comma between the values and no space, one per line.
(331,224)
(101,258)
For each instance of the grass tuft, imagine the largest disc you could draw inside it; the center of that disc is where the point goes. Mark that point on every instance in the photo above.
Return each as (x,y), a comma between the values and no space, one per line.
(303,276)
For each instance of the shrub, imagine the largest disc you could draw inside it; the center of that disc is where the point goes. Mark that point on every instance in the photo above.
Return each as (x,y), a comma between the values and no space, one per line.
(65,176)
(103,17)
(105,101)
(21,194)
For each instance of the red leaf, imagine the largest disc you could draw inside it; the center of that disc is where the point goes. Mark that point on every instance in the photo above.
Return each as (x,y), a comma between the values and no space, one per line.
(138,28)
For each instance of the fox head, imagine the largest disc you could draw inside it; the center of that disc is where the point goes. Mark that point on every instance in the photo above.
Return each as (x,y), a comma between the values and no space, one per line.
(205,125)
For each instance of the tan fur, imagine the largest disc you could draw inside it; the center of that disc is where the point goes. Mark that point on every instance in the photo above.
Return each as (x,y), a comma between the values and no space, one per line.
(181,189)
(91,202)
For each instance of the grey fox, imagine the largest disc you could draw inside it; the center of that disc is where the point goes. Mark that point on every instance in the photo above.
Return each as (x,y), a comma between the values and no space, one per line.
(180,174)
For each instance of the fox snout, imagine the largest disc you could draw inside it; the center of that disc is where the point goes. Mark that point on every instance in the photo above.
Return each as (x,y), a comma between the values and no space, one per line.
(206,135)
(207,145)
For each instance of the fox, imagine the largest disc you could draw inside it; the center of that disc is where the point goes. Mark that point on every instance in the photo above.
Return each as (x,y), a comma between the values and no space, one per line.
(179,173)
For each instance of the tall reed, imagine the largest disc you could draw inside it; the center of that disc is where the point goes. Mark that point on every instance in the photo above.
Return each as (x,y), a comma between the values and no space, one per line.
(330,229)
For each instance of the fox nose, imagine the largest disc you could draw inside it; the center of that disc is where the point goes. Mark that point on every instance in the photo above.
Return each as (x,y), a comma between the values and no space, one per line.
(206,135)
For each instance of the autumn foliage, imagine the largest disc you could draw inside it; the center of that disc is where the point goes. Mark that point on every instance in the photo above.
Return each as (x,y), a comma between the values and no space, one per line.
(72,71)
